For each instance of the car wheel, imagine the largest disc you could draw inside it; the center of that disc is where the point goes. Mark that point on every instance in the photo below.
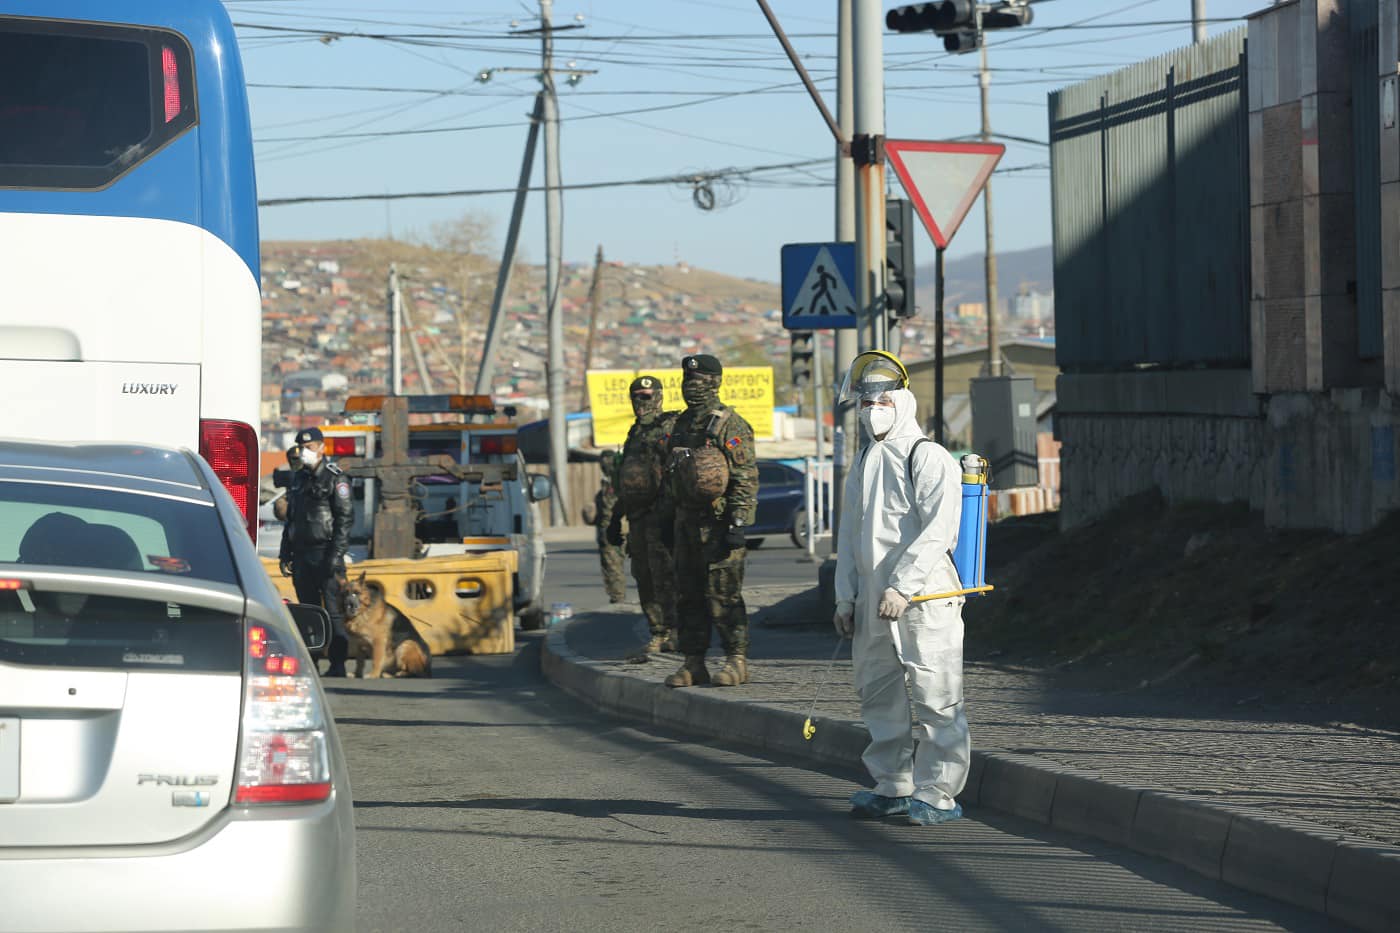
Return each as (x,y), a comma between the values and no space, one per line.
(799,529)
(753,543)
(532,620)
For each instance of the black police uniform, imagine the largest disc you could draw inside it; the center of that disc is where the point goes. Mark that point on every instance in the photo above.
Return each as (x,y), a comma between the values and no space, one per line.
(314,540)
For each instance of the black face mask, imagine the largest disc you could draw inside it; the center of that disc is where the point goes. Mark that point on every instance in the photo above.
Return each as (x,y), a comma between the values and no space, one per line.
(644,407)
(700,391)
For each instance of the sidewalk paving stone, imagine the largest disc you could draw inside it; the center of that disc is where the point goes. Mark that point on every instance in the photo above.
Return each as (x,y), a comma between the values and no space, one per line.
(1279,801)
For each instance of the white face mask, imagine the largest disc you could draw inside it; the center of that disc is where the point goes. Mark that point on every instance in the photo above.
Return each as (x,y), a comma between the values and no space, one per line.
(877,419)
(309,458)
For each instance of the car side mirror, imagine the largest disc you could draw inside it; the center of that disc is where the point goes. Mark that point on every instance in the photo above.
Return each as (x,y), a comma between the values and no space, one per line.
(314,624)
(541,488)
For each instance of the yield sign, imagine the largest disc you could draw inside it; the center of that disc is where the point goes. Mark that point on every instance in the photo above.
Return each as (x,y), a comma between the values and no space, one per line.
(942,179)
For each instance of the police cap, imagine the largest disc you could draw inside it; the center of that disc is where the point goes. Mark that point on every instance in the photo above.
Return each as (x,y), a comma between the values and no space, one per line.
(643,385)
(702,364)
(309,436)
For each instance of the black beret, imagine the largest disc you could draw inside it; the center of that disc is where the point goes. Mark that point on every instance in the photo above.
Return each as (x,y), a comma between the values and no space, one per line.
(309,435)
(645,383)
(702,364)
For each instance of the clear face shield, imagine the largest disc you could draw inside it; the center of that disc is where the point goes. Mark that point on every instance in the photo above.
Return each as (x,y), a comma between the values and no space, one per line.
(873,374)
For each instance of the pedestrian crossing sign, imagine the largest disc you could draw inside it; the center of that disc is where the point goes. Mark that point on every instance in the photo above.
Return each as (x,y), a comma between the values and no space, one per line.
(817,286)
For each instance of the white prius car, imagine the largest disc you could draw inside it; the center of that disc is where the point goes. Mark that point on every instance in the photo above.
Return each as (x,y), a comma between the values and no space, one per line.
(167,757)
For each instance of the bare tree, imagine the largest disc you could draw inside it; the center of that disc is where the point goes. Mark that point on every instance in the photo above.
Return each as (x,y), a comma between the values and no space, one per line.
(470,242)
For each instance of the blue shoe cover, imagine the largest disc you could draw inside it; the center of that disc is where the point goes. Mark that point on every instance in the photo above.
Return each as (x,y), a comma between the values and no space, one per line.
(926,814)
(869,805)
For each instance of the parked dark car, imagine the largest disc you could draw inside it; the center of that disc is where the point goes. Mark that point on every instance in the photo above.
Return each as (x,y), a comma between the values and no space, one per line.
(781,504)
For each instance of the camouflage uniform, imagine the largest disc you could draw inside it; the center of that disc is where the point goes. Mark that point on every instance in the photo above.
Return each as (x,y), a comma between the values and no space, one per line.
(605,504)
(709,542)
(643,502)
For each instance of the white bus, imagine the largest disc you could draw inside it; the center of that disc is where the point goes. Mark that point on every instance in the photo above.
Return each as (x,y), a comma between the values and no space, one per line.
(131,306)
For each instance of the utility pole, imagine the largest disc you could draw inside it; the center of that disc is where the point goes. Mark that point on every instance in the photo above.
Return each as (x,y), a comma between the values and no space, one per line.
(554,246)
(984,80)
(486,370)
(843,417)
(395,332)
(425,376)
(1198,22)
(868,154)
(594,299)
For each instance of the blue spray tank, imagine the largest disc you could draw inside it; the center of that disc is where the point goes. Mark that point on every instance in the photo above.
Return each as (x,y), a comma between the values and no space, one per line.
(970,555)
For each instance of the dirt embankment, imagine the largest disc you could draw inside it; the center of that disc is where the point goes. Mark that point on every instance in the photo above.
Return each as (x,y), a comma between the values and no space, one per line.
(1198,597)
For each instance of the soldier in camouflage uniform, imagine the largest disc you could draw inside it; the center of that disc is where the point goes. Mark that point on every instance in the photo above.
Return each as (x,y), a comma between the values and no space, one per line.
(640,486)
(605,507)
(713,477)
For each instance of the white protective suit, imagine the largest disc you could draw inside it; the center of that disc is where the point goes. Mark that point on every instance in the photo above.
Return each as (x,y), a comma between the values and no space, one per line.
(901,535)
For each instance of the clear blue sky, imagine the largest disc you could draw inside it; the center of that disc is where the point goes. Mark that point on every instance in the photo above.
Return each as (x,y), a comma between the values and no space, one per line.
(724,97)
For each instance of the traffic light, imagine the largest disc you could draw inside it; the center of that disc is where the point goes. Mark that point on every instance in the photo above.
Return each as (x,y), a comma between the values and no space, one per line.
(899,257)
(801,357)
(960,22)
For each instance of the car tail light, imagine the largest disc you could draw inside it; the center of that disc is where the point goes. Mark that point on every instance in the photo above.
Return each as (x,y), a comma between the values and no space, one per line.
(341,447)
(171,72)
(231,448)
(283,755)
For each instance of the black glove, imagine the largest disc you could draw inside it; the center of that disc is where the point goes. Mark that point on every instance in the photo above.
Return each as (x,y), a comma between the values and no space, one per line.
(668,536)
(285,565)
(734,538)
(614,532)
(337,565)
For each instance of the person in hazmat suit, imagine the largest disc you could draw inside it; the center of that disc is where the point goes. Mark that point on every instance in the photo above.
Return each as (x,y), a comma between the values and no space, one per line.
(899,523)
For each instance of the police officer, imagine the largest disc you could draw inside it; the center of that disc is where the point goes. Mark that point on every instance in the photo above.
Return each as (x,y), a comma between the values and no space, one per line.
(713,476)
(605,510)
(640,486)
(319,515)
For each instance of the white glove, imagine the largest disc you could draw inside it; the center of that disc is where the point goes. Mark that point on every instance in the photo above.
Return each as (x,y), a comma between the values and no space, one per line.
(845,619)
(892,604)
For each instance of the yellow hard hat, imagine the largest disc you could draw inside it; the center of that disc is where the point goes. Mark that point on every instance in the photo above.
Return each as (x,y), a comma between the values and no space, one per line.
(872,373)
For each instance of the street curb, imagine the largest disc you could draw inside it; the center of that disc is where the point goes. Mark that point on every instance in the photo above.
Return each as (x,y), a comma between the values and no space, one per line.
(1347,878)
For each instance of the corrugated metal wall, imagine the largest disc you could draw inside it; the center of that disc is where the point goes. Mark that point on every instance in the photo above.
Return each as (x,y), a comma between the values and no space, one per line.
(1150,191)
(1363,19)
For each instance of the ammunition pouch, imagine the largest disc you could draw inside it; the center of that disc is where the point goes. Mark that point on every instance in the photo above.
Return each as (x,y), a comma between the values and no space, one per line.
(702,474)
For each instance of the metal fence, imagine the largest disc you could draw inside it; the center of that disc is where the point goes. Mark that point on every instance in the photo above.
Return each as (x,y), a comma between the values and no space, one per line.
(1150,190)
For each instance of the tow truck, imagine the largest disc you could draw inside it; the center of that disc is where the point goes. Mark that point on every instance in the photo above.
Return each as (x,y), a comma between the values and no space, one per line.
(446,517)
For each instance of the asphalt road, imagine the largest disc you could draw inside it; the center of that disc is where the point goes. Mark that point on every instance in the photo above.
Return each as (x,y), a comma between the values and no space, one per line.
(488,800)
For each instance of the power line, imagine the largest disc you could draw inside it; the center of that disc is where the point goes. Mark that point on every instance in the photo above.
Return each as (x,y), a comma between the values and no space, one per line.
(692,178)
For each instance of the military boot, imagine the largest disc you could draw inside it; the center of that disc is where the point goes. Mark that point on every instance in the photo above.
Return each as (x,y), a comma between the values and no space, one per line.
(693,673)
(734,672)
(643,654)
(671,644)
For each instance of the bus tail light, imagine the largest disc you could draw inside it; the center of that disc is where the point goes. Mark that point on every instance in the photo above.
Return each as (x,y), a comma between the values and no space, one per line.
(171,72)
(231,448)
(282,753)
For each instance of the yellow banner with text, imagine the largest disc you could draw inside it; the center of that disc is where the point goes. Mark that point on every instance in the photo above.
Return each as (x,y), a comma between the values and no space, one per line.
(746,389)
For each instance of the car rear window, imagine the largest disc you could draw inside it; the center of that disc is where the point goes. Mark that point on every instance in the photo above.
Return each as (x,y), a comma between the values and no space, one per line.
(83,103)
(51,525)
(79,630)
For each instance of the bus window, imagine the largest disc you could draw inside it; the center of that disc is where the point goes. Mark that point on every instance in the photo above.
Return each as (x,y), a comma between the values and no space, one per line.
(81,104)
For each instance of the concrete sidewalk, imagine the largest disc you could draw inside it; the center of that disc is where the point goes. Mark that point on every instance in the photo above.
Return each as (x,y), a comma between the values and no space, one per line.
(1284,804)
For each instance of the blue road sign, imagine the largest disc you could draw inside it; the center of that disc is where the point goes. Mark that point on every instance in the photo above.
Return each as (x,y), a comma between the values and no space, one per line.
(818,286)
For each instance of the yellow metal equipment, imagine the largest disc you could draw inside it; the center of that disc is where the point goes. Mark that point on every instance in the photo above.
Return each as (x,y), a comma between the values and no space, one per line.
(459,603)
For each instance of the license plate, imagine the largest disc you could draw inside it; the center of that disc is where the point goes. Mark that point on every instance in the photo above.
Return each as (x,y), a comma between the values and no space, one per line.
(9,760)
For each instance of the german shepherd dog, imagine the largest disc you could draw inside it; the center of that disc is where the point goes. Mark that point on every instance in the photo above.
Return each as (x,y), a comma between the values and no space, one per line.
(381,633)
